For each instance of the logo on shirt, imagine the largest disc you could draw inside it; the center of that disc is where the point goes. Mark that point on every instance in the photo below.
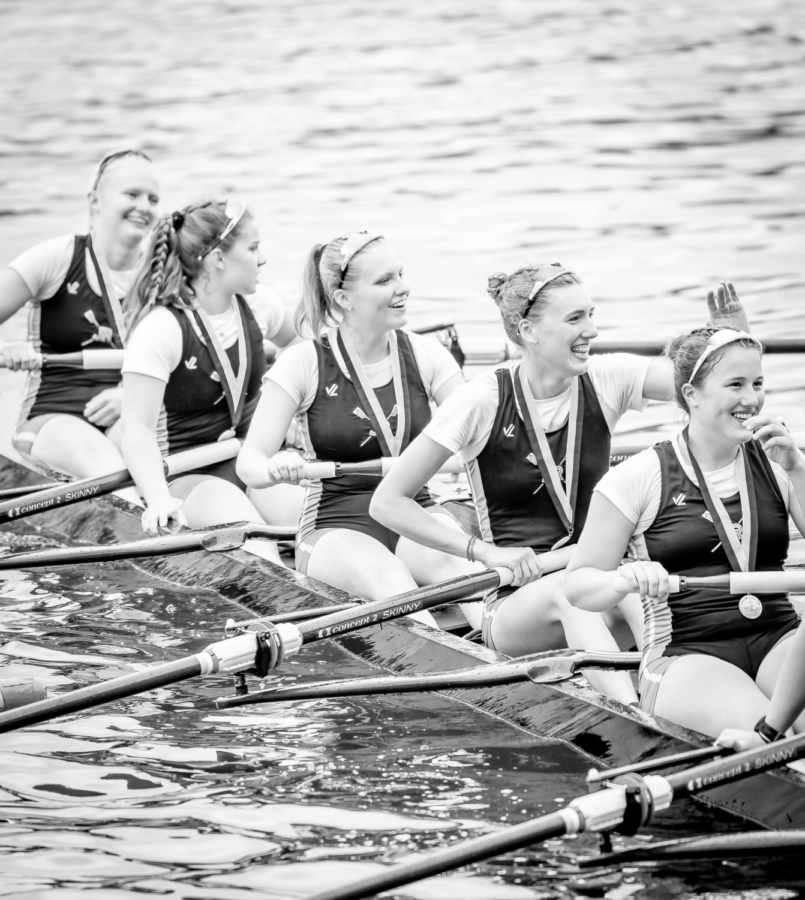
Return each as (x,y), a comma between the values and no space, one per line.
(679,500)
(191,363)
(332,390)
(73,286)
(509,432)
(706,515)
(104,334)
(215,377)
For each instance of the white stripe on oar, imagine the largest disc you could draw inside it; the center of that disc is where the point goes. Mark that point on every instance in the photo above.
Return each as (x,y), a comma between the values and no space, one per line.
(743,582)
(82,359)
(319,470)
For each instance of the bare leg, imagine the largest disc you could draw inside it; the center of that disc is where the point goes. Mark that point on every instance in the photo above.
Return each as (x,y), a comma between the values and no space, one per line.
(538,617)
(707,694)
(361,565)
(430,566)
(769,672)
(73,445)
(214,501)
(280,505)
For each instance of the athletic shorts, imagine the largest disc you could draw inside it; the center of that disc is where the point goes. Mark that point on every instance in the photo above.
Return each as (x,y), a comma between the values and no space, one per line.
(745,652)
(493,602)
(388,538)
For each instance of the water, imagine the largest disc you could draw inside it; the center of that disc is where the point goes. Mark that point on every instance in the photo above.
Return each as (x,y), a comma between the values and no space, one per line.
(656,147)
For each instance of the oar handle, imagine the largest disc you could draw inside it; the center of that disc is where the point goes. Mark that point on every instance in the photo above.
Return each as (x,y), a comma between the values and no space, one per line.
(742,582)
(380,467)
(81,359)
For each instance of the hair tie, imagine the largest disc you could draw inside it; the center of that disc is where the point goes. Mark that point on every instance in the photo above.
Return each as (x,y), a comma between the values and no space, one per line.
(177,220)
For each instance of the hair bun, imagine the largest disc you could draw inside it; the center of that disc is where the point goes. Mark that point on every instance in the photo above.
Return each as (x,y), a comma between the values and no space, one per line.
(177,220)
(494,285)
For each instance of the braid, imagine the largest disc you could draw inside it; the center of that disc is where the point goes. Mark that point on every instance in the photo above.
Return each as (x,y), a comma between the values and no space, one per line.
(159,258)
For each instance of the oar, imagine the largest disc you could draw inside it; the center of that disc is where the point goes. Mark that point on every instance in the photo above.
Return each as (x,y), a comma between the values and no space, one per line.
(75,491)
(743,582)
(83,359)
(24,489)
(722,846)
(596,777)
(260,648)
(539,668)
(601,811)
(213,540)
(380,467)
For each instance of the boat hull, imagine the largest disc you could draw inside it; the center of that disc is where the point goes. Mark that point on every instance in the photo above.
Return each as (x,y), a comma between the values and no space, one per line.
(608,733)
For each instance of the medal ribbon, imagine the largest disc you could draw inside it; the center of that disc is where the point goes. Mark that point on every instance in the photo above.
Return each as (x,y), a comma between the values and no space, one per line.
(741,555)
(564,501)
(232,385)
(111,302)
(390,444)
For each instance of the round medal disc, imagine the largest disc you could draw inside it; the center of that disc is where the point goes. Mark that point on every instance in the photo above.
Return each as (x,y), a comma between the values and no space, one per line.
(750,606)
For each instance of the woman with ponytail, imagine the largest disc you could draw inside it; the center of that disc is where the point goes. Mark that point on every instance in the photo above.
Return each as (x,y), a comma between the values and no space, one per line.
(73,286)
(361,390)
(536,440)
(194,364)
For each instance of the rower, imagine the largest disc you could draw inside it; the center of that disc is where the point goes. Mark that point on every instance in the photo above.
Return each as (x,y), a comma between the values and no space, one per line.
(73,285)
(194,364)
(716,498)
(536,439)
(361,389)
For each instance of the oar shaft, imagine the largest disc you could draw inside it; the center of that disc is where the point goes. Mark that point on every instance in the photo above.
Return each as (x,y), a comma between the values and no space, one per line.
(484,847)
(22,490)
(97,694)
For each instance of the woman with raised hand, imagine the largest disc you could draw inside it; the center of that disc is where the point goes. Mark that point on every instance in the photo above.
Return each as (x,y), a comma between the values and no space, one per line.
(536,439)
(194,364)
(717,498)
(361,390)
(73,285)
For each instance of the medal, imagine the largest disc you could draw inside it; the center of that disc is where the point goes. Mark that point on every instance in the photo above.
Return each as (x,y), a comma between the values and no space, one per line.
(563,498)
(750,606)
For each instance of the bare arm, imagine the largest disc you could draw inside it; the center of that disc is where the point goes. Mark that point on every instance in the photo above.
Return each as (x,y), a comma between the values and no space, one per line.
(595,579)
(142,401)
(14,294)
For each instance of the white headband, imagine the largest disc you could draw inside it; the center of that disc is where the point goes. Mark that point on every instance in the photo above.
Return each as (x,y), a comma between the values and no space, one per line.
(720,339)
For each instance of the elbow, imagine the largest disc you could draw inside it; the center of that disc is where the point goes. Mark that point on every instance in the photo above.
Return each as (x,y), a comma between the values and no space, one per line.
(380,508)
(243,468)
(573,592)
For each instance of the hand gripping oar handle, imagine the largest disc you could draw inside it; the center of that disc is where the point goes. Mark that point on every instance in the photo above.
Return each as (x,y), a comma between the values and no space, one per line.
(83,359)
(75,491)
(379,467)
(213,540)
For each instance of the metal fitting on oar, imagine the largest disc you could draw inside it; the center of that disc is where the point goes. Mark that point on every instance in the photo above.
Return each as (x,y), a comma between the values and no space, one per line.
(240,653)
(606,810)
(16,692)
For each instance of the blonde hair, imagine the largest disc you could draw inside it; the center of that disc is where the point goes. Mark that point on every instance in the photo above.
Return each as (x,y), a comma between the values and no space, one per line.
(318,309)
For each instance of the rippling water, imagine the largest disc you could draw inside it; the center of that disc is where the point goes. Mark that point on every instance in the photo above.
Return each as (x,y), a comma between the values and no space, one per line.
(656,147)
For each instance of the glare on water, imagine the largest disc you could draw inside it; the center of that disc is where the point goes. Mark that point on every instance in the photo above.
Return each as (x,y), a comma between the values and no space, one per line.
(655,147)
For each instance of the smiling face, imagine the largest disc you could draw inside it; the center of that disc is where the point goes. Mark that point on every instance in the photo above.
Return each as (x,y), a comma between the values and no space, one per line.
(730,393)
(126,199)
(559,337)
(242,260)
(377,297)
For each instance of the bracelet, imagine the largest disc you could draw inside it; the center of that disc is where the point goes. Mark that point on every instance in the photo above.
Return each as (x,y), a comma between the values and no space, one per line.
(767,734)
(470,543)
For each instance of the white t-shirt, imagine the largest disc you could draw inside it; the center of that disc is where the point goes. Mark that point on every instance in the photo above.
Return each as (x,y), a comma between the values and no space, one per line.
(44,267)
(155,345)
(464,421)
(297,369)
(635,486)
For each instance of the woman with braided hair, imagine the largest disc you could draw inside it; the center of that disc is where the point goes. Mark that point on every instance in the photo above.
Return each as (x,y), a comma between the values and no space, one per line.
(73,286)
(194,364)
(713,500)
(536,440)
(360,390)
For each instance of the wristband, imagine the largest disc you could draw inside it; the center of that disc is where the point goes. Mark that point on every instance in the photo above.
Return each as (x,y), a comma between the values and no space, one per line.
(470,542)
(767,734)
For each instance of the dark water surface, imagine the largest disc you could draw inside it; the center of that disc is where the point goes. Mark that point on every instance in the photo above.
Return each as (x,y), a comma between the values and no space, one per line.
(654,146)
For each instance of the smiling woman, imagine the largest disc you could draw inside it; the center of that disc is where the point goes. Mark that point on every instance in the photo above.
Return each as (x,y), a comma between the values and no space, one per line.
(362,390)
(194,364)
(536,440)
(73,286)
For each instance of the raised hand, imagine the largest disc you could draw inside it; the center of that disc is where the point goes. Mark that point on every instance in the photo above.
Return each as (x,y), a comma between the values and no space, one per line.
(776,441)
(725,308)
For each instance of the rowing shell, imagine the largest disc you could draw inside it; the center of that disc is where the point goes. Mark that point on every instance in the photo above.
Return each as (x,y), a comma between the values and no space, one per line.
(606,732)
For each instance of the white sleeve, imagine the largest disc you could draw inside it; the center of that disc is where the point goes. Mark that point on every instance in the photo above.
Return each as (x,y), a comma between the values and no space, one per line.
(619,379)
(155,346)
(296,371)
(464,421)
(635,488)
(268,309)
(44,267)
(436,364)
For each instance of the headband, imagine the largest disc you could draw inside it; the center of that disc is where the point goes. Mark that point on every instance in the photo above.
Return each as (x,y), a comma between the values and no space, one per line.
(544,274)
(353,245)
(719,339)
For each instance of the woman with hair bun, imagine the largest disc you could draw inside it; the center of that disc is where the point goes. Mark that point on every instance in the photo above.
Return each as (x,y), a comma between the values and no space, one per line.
(360,390)
(73,286)
(194,364)
(536,440)
(715,499)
